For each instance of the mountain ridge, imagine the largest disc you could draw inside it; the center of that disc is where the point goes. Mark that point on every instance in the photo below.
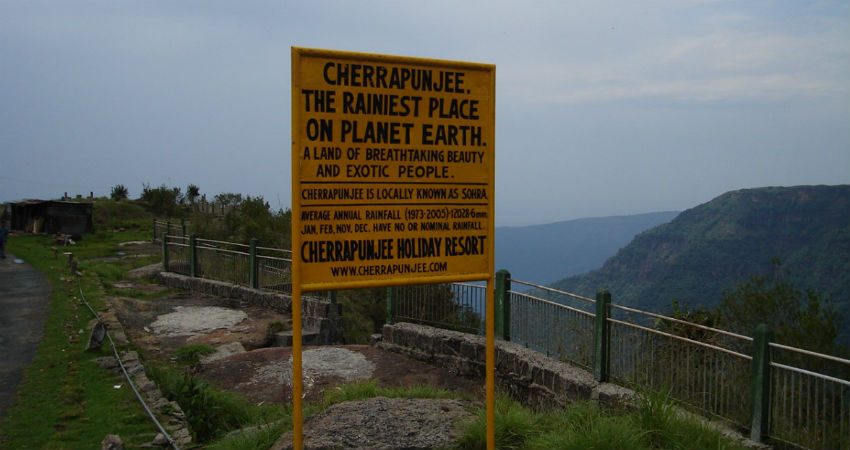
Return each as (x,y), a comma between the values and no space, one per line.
(546,252)
(707,249)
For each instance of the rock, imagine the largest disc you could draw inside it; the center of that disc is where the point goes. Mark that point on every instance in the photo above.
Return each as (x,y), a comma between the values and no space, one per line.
(98,332)
(159,440)
(149,271)
(223,351)
(107,362)
(112,442)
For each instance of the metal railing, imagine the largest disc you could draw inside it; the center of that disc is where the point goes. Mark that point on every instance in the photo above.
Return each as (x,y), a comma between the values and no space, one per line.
(692,362)
(704,368)
(708,369)
(165,227)
(274,269)
(455,306)
(247,265)
(553,322)
(223,261)
(176,254)
(809,406)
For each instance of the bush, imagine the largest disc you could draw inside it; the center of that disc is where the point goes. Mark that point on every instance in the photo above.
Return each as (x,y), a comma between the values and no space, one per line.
(162,201)
(119,192)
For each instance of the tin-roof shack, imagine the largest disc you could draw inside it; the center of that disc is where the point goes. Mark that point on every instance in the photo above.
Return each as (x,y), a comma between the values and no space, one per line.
(52,216)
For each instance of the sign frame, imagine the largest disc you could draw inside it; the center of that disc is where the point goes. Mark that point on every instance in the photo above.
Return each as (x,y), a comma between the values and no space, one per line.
(469,127)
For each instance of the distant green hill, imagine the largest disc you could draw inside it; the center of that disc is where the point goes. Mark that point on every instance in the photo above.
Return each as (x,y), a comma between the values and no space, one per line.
(544,253)
(708,249)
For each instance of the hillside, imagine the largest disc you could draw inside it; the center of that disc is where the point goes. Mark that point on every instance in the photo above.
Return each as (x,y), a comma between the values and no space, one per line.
(544,253)
(710,248)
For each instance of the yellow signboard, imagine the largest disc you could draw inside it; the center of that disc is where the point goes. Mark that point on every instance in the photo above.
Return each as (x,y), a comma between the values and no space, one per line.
(393,169)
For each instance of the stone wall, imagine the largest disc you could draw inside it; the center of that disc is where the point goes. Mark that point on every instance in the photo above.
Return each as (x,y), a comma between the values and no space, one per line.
(529,376)
(319,315)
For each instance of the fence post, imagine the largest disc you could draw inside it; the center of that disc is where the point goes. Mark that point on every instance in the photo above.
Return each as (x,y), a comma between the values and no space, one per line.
(164,253)
(154,230)
(602,337)
(503,304)
(182,226)
(390,306)
(760,384)
(253,280)
(192,257)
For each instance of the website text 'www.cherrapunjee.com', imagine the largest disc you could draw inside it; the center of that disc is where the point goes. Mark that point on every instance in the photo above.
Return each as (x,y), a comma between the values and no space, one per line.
(389,269)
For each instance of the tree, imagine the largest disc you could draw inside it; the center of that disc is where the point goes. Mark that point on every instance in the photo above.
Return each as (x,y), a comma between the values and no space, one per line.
(119,192)
(162,200)
(805,320)
(192,193)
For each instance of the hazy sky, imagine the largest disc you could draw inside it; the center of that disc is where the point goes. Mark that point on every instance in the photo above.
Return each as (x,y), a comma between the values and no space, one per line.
(603,108)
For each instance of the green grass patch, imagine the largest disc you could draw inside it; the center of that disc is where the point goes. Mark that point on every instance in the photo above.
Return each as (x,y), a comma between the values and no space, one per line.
(190,355)
(260,438)
(211,412)
(655,424)
(65,399)
(360,390)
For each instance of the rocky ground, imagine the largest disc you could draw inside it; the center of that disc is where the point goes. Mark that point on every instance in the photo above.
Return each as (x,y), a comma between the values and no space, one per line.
(383,424)
(249,364)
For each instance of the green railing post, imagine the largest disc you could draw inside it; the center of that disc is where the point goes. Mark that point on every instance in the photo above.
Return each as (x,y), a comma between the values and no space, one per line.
(193,263)
(503,304)
(390,306)
(253,280)
(164,254)
(760,384)
(602,337)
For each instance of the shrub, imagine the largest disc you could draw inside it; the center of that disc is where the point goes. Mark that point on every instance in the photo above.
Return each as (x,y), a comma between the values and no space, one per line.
(119,192)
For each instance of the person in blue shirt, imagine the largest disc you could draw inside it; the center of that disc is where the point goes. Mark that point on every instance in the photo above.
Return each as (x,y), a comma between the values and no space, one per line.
(4,234)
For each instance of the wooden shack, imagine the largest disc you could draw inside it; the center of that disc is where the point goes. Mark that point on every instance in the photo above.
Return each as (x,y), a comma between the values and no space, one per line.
(52,216)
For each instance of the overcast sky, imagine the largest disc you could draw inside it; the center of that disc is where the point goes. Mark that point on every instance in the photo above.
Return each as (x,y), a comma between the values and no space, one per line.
(603,108)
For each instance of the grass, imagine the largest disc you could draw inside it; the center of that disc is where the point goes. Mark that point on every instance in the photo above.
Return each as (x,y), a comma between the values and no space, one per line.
(655,424)
(190,355)
(65,399)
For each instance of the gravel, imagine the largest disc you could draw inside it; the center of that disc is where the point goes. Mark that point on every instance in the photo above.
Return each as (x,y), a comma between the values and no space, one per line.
(384,423)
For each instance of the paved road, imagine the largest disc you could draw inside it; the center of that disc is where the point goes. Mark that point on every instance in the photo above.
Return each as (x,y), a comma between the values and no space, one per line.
(24,296)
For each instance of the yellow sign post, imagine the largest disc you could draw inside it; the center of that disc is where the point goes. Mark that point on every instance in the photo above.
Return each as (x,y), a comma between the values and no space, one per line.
(393,174)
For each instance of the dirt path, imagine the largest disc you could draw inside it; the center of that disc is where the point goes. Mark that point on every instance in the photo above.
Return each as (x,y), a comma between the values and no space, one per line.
(24,298)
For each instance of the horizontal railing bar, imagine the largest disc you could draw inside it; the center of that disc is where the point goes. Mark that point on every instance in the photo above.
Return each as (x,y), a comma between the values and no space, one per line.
(663,317)
(811,353)
(275,249)
(223,250)
(470,285)
(548,289)
(273,258)
(222,242)
(811,374)
(673,336)
(549,302)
